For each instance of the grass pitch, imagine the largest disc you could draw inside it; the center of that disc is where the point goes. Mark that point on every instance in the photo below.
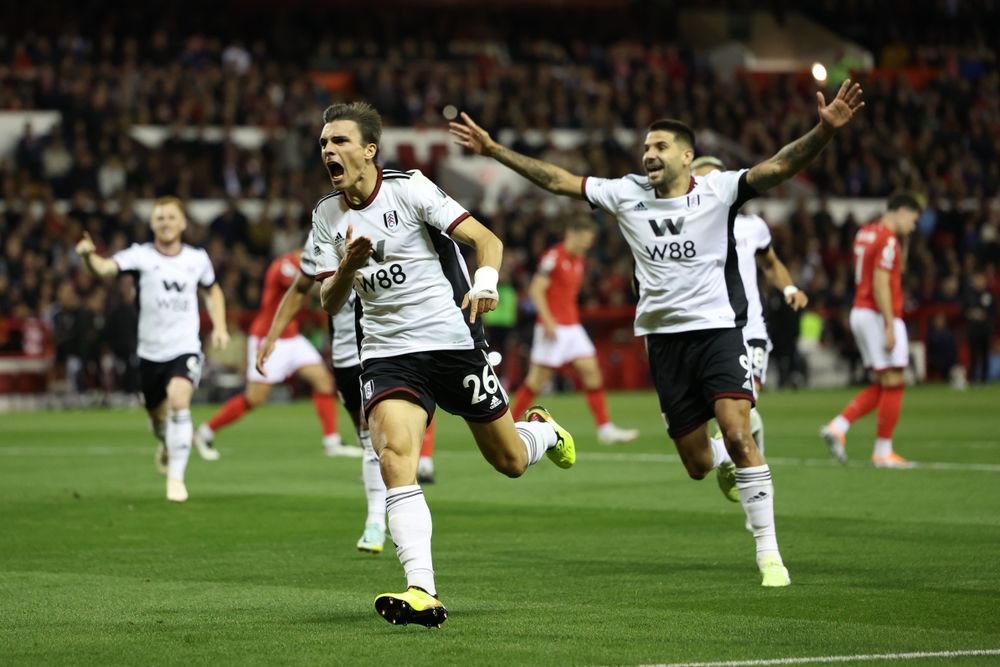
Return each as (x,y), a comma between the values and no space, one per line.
(620,561)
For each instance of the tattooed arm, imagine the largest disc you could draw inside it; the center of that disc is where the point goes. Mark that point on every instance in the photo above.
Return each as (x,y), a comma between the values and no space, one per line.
(794,157)
(548,176)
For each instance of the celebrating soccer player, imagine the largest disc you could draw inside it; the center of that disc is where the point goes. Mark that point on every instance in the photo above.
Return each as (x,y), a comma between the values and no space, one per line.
(169,275)
(879,331)
(387,235)
(692,303)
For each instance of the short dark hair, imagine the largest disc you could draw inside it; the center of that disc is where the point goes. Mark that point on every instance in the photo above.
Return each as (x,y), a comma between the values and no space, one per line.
(368,119)
(581,223)
(679,129)
(900,200)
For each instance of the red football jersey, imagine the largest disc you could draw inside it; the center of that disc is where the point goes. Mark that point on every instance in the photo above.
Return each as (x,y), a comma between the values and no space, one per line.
(875,247)
(565,274)
(280,274)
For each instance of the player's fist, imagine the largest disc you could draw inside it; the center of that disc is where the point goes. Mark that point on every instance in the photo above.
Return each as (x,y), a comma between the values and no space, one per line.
(890,338)
(356,251)
(480,301)
(797,300)
(469,135)
(549,330)
(263,353)
(85,246)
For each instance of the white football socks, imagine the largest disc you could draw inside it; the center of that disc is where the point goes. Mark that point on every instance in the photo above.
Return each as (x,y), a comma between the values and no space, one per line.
(840,424)
(720,454)
(757,497)
(411,528)
(538,437)
(374,486)
(883,447)
(179,432)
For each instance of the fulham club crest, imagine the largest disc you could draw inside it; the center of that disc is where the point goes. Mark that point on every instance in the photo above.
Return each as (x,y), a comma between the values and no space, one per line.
(391,219)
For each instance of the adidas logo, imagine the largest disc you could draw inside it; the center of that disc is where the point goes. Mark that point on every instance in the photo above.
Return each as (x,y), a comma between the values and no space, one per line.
(639,207)
(495,402)
(756,498)
(748,386)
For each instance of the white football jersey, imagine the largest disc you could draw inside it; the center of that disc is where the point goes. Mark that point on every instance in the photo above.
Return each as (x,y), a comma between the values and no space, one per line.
(685,253)
(167,294)
(343,325)
(752,237)
(412,287)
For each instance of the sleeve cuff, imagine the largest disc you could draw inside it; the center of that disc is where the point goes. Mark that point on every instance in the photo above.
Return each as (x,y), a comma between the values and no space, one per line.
(456,222)
(320,277)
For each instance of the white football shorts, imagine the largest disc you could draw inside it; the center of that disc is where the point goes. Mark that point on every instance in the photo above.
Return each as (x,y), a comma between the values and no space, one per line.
(571,342)
(869,335)
(289,355)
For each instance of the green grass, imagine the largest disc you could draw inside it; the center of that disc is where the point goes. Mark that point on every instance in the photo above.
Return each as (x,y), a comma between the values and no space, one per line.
(621,560)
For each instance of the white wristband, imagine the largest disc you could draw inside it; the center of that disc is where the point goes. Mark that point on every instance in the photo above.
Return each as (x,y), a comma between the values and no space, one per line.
(485,280)
(790,290)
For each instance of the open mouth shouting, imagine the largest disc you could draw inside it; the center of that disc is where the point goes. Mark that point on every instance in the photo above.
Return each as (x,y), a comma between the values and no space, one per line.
(336,171)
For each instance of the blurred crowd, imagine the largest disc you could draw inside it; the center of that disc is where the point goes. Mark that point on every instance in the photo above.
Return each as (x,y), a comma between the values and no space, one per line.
(936,134)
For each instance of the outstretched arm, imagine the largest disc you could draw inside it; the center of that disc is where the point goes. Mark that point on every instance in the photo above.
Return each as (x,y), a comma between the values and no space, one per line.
(795,156)
(543,174)
(101,267)
(777,274)
(291,304)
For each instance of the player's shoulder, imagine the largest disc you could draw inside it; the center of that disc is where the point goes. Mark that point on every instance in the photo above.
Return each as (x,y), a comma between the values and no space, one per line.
(329,201)
(752,221)
(638,183)
(398,175)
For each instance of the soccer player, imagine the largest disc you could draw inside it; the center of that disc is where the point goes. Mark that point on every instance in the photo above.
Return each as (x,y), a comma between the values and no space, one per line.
(691,299)
(559,337)
(753,249)
(169,274)
(387,235)
(292,355)
(879,331)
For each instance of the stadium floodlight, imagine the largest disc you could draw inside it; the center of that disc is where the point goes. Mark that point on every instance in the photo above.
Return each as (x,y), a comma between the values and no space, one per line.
(819,72)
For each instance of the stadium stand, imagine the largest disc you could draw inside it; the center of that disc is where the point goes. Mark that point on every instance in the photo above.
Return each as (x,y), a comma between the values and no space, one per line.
(228,113)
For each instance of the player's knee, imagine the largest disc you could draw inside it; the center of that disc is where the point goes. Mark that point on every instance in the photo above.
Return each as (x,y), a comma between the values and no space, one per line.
(255,401)
(696,470)
(510,466)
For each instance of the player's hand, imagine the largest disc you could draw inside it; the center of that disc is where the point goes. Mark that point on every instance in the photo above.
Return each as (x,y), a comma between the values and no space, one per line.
(890,338)
(841,109)
(358,250)
(263,352)
(797,300)
(480,301)
(85,246)
(549,330)
(220,339)
(469,135)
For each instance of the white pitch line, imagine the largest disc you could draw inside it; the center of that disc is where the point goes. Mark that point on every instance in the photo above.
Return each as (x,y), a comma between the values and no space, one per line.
(834,658)
(611,457)
(616,457)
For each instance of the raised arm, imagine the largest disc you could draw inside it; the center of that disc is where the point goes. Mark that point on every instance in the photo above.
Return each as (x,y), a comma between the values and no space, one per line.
(215,302)
(101,267)
(795,156)
(291,303)
(543,174)
(777,275)
(483,296)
